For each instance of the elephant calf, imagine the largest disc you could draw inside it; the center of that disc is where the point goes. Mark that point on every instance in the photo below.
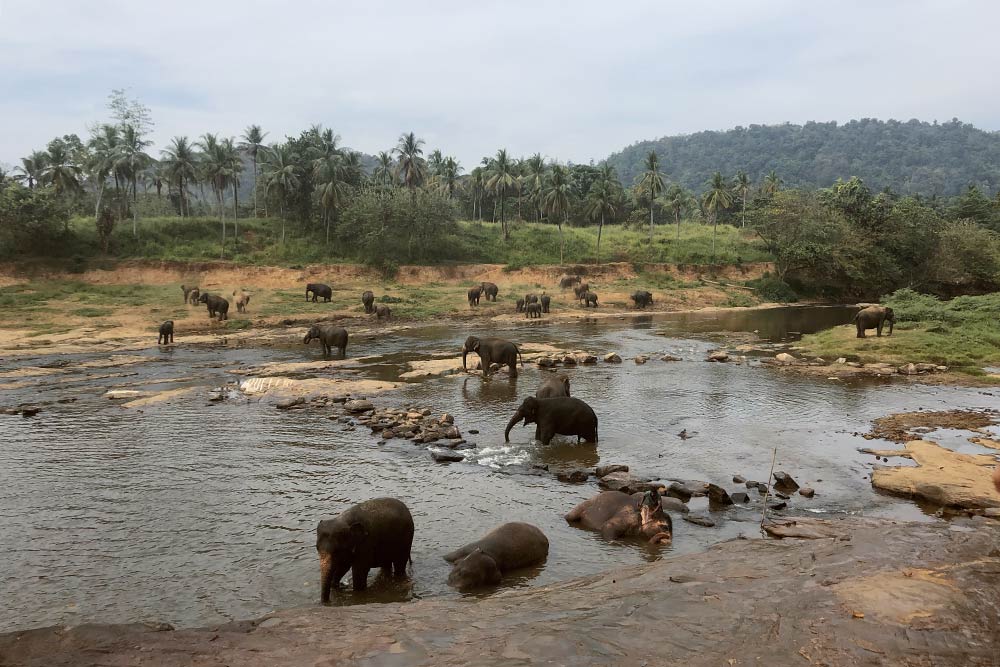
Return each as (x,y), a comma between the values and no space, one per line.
(508,547)
(580,290)
(368,301)
(562,415)
(242,299)
(589,300)
(533,310)
(474,294)
(375,533)
(519,304)
(642,298)
(615,515)
(383,310)
(191,294)
(874,317)
(216,305)
(554,386)
(329,337)
(492,351)
(166,333)
(320,290)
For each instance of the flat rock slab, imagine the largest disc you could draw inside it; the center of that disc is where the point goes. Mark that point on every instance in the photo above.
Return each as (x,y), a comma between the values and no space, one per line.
(923,596)
(285,387)
(942,476)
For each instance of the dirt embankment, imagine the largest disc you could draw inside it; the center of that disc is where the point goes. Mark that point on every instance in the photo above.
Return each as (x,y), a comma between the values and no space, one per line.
(878,593)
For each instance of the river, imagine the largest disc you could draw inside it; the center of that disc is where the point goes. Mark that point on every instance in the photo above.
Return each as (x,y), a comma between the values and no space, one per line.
(198,512)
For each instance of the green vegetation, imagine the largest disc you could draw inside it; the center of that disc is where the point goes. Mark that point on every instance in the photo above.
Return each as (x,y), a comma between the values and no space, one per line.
(961,333)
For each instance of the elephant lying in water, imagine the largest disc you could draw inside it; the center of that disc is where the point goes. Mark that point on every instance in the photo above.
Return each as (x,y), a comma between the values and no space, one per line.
(375,533)
(505,548)
(561,415)
(492,351)
(329,337)
(874,317)
(615,515)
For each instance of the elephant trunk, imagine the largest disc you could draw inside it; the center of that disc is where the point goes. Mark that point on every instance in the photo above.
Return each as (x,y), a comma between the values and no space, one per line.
(325,576)
(665,538)
(518,416)
(465,353)
(307,339)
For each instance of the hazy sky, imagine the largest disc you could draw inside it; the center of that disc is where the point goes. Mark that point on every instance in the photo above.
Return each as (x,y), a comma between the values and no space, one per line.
(573,80)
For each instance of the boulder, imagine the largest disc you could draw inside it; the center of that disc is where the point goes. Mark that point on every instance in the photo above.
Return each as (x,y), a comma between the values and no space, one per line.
(718,496)
(740,497)
(446,419)
(546,362)
(359,406)
(784,482)
(669,357)
(601,471)
(718,355)
(751,484)
(778,506)
(584,358)
(807,492)
(740,479)
(685,490)
(290,403)
(926,368)
(699,520)
(612,358)
(569,360)
(445,455)
(782,496)
(673,505)
(577,476)
(909,369)
(641,359)
(624,482)
(785,359)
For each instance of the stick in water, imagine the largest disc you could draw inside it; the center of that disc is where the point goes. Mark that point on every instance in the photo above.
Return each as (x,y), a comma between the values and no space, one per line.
(767,492)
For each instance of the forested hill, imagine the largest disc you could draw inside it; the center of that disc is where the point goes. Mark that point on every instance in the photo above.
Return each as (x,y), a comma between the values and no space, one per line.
(909,157)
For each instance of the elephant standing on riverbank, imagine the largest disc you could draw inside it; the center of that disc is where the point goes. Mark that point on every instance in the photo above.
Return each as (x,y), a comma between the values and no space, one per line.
(191,295)
(381,311)
(508,547)
(319,290)
(615,515)
(546,302)
(216,305)
(492,351)
(568,281)
(580,290)
(533,310)
(561,415)
(368,301)
(375,533)
(329,337)
(642,298)
(519,305)
(490,291)
(589,300)
(242,299)
(874,317)
(474,294)
(166,333)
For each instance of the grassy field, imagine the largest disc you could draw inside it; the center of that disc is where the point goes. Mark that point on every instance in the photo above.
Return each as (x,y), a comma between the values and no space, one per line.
(961,333)
(531,244)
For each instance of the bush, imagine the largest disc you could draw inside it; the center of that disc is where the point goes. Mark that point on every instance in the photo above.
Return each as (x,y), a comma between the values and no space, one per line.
(773,288)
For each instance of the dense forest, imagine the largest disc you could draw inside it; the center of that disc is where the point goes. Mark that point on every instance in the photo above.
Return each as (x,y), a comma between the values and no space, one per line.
(404,206)
(909,157)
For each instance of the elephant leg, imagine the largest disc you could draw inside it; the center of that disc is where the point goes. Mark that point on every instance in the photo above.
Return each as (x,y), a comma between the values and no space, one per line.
(547,435)
(513,368)
(399,566)
(861,331)
(359,577)
(878,330)
(485,362)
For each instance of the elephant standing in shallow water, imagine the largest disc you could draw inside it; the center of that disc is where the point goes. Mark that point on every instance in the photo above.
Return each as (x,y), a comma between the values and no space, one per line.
(492,351)
(874,317)
(329,337)
(562,415)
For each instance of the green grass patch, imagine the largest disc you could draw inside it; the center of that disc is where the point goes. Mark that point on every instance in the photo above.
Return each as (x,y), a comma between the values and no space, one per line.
(91,312)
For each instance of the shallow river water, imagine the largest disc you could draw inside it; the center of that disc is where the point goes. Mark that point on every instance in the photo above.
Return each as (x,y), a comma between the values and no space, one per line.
(196,513)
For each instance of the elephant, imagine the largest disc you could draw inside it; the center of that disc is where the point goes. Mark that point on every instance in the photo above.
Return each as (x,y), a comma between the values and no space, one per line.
(589,299)
(375,533)
(554,386)
(562,415)
(383,310)
(473,294)
(242,299)
(546,302)
(642,299)
(191,295)
(530,298)
(329,337)
(508,547)
(520,305)
(319,290)
(874,317)
(580,290)
(533,310)
(492,351)
(490,291)
(166,333)
(616,515)
(216,304)
(569,281)
(368,300)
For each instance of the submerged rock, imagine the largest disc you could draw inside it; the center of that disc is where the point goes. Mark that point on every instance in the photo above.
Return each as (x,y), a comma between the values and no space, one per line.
(289,403)
(718,496)
(670,357)
(784,482)
(577,476)
(807,492)
(785,359)
(612,358)
(601,471)
(357,406)
(740,479)
(699,520)
(641,359)
(718,355)
(445,455)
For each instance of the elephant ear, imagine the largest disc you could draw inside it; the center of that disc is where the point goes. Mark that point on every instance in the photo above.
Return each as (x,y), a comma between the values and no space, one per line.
(358,531)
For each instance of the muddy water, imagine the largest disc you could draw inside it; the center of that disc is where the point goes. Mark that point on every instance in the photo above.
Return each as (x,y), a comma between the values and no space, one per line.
(198,512)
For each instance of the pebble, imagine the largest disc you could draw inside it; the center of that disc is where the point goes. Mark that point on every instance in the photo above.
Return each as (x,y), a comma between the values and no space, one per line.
(807,492)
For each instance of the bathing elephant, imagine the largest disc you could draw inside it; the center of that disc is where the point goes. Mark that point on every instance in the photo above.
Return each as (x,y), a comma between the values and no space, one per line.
(368,300)
(533,310)
(492,351)
(580,290)
(166,333)
(329,337)
(615,515)
(561,415)
(554,386)
(490,291)
(546,302)
(242,299)
(568,281)
(216,305)
(642,299)
(383,310)
(508,547)
(474,294)
(589,299)
(375,533)
(191,295)
(874,317)
(520,305)
(319,290)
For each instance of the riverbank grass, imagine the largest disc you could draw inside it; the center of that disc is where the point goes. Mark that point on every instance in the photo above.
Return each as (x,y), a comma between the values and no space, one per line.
(961,333)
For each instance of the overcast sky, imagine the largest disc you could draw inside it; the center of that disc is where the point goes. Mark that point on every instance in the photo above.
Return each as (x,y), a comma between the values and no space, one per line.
(574,80)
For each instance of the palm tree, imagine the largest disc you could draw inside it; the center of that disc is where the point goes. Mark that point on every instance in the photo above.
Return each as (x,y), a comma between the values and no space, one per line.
(447,179)
(717,197)
(741,188)
(215,170)
(31,168)
(601,201)
(435,163)
(383,169)
(772,183)
(651,183)
(679,201)
(332,176)
(477,183)
(555,199)
(535,171)
(411,168)
(132,159)
(501,175)
(181,164)
(60,171)
(281,176)
(253,141)
(230,155)
(104,152)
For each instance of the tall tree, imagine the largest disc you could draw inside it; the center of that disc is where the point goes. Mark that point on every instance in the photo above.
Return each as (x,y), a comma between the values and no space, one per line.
(215,170)
(60,171)
(435,163)
(331,176)
(651,185)
(741,188)
(555,200)
(477,186)
(772,183)
(602,201)
(411,167)
(717,197)
(180,162)
(132,160)
(253,141)
(230,155)
(281,174)
(447,180)
(384,169)
(31,168)
(502,177)
(534,178)
(679,201)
